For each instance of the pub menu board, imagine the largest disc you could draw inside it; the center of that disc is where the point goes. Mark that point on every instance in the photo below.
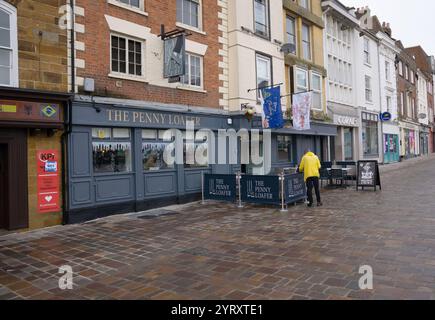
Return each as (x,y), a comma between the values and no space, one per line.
(220,187)
(260,189)
(48,181)
(295,189)
(368,175)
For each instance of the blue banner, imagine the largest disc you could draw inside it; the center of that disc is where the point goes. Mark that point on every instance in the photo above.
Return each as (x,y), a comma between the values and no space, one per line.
(272,111)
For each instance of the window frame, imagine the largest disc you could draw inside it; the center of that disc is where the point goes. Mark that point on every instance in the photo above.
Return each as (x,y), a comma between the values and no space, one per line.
(140,10)
(186,25)
(368,89)
(267,12)
(127,74)
(293,19)
(387,71)
(304,24)
(13,35)
(188,69)
(259,55)
(295,77)
(318,91)
(367,55)
(308,7)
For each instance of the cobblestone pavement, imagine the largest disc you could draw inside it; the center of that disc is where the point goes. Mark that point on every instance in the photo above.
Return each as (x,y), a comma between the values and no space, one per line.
(219,252)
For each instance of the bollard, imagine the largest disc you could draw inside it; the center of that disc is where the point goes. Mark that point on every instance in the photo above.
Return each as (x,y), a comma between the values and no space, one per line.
(282,179)
(202,187)
(239,177)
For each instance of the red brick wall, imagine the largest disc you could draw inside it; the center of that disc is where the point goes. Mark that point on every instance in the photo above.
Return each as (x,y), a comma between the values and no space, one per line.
(97,51)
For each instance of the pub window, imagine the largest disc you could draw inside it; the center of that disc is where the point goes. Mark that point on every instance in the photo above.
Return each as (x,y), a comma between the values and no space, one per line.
(8,45)
(188,12)
(285,148)
(126,56)
(111,150)
(193,76)
(200,146)
(261,18)
(153,148)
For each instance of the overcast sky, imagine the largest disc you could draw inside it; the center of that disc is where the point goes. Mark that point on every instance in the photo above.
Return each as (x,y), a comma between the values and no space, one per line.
(413,22)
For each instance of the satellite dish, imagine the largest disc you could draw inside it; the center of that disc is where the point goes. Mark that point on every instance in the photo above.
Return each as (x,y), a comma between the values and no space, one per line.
(288,48)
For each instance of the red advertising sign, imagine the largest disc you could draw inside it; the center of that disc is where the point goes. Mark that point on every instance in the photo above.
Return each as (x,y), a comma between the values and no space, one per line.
(48,181)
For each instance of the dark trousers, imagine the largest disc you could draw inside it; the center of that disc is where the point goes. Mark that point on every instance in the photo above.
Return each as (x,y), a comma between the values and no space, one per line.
(313,182)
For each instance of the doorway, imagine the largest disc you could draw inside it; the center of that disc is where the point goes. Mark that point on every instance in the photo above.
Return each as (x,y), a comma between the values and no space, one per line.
(4,181)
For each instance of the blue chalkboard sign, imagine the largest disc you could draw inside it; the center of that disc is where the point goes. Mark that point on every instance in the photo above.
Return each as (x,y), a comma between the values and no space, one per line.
(220,187)
(260,189)
(294,188)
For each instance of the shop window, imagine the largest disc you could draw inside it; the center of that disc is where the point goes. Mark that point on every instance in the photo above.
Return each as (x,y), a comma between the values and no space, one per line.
(111,150)
(153,148)
(8,45)
(285,148)
(370,134)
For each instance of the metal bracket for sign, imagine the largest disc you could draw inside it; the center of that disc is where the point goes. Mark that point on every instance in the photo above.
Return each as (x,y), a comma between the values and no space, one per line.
(265,87)
(238,178)
(171,34)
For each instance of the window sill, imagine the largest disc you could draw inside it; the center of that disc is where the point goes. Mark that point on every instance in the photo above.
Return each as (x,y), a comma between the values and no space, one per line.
(127,77)
(130,8)
(190,28)
(187,88)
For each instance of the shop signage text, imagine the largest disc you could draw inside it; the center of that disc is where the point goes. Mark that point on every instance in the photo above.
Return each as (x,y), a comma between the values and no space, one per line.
(48,181)
(220,187)
(151,118)
(30,111)
(346,120)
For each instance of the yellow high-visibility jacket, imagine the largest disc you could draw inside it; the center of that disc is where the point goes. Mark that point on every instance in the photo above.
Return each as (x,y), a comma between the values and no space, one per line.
(310,165)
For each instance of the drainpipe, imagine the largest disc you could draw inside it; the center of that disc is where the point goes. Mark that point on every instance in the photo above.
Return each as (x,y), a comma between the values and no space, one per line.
(68,129)
(381,145)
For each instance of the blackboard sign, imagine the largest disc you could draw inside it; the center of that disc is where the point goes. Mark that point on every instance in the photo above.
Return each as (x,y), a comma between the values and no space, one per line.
(220,187)
(260,189)
(295,189)
(368,175)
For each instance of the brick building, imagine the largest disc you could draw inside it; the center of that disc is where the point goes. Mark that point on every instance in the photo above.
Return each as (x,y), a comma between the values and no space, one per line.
(33,100)
(406,72)
(426,96)
(124,103)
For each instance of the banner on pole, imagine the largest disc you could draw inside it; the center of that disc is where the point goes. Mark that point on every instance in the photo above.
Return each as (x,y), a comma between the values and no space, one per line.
(302,110)
(272,111)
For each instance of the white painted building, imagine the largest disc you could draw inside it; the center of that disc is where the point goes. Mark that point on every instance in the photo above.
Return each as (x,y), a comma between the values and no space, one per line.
(368,91)
(388,91)
(341,38)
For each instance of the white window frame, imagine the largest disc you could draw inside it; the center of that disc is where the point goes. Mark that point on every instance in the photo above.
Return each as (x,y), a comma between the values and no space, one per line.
(126,75)
(320,91)
(201,66)
(140,9)
(389,100)
(309,42)
(292,19)
(367,56)
(412,76)
(368,89)
(267,12)
(183,25)
(259,56)
(402,103)
(406,72)
(12,11)
(296,70)
(401,68)
(387,71)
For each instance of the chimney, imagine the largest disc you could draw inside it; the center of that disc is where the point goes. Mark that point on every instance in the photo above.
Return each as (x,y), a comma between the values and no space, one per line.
(387,29)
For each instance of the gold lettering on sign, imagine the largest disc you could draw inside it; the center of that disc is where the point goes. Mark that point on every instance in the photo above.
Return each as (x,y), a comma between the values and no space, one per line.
(151,118)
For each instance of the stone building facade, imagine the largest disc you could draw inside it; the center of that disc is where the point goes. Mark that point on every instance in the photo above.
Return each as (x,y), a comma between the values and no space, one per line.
(33,103)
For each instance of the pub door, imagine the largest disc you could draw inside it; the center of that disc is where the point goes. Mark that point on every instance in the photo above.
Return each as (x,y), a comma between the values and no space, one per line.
(4,197)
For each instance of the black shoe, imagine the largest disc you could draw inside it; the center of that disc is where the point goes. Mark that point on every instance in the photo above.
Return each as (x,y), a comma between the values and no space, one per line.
(310,205)
(320,204)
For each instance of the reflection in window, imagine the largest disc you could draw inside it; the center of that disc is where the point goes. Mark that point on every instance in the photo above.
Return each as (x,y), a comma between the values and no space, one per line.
(153,156)
(285,148)
(191,150)
(111,157)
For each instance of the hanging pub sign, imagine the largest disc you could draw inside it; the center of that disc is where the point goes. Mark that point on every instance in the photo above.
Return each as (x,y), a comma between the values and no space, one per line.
(220,187)
(260,189)
(295,190)
(272,112)
(174,57)
(302,110)
(48,181)
(368,175)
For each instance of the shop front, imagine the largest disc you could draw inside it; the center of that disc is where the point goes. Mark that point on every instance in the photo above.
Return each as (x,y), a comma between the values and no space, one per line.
(117,156)
(391,148)
(370,134)
(31,166)
(409,140)
(424,140)
(346,142)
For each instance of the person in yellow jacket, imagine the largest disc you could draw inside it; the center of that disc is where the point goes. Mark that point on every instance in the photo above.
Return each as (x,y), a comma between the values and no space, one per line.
(310,165)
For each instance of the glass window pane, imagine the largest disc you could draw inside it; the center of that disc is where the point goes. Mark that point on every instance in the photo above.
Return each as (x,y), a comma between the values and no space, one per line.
(316,82)
(135,3)
(149,134)
(5,58)
(152,156)
(115,65)
(186,12)
(4,19)
(114,42)
(5,76)
(121,133)
(111,157)
(101,133)
(5,38)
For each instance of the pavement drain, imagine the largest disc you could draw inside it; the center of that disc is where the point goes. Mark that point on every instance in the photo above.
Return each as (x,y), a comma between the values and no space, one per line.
(157,213)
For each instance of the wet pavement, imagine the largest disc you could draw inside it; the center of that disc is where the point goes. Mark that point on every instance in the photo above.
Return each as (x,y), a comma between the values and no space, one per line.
(216,251)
